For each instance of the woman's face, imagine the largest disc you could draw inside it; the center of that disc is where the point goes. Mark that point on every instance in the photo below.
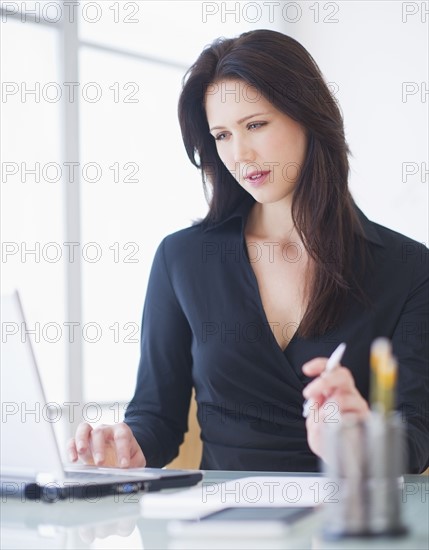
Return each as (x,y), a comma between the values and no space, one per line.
(263,148)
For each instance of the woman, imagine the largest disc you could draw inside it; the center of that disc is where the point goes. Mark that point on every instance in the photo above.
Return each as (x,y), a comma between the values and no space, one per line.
(246,304)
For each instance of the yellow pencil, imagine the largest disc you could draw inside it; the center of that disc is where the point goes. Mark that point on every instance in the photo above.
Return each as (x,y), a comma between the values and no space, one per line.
(383,375)
(387,375)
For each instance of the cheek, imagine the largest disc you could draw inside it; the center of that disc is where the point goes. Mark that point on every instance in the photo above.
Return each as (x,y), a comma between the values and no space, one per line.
(289,151)
(226,157)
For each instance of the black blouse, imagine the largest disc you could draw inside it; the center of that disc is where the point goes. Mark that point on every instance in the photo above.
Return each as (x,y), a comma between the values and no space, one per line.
(204,326)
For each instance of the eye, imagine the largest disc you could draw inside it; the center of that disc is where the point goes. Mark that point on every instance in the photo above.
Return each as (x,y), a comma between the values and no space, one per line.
(220,137)
(254,125)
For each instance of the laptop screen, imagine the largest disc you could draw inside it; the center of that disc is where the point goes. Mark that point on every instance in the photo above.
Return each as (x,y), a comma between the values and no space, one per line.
(28,445)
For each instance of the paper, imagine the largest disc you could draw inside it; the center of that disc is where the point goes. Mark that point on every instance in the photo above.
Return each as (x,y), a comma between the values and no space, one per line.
(209,496)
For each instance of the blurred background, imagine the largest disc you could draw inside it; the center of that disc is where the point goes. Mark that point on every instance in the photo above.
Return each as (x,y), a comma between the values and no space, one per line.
(94,172)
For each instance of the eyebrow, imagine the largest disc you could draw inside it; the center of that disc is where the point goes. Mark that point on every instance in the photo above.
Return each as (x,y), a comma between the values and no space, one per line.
(239,121)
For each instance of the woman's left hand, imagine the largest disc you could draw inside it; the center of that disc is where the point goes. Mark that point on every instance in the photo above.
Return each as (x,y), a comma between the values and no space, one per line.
(332,393)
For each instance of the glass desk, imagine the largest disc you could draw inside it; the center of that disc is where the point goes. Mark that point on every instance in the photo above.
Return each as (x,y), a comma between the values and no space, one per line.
(117,523)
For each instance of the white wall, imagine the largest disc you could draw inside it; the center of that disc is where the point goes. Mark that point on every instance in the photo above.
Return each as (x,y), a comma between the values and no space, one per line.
(370,53)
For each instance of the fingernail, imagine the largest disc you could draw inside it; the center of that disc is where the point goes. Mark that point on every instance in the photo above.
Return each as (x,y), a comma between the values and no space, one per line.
(98,458)
(124,462)
(72,457)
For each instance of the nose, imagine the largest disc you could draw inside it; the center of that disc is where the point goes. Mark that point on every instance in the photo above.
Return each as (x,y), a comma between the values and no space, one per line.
(242,150)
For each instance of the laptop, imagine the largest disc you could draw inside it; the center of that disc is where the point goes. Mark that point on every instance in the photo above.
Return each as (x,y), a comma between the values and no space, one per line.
(31,466)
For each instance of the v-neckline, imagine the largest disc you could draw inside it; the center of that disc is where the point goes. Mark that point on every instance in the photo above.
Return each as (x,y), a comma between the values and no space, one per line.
(255,280)
(261,305)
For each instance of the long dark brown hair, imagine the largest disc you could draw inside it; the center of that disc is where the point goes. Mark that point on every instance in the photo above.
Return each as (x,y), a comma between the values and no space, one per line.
(323,210)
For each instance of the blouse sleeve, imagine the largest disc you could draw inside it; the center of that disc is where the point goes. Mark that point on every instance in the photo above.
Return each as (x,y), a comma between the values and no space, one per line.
(411,347)
(158,412)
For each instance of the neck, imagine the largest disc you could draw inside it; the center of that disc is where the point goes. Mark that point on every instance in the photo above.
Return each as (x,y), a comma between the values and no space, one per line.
(272,221)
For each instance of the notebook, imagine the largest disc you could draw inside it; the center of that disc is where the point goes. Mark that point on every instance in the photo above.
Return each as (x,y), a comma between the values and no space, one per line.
(31,464)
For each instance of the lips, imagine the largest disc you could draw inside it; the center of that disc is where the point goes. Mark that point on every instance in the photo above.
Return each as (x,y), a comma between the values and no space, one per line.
(257,177)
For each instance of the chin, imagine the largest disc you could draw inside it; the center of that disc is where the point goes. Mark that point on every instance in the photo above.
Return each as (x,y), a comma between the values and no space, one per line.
(265,196)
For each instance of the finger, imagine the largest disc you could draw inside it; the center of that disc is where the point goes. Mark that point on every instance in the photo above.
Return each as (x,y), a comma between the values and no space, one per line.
(339,379)
(105,530)
(98,444)
(122,436)
(82,437)
(125,527)
(315,366)
(313,414)
(352,403)
(137,458)
(71,450)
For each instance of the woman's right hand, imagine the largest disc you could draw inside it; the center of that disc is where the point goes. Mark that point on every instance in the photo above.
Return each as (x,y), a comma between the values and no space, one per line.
(110,446)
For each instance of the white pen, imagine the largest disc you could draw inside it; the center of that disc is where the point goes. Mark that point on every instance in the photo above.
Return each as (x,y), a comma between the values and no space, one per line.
(331,364)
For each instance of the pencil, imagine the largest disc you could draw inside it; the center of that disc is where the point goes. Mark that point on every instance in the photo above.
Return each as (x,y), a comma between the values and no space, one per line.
(333,362)
(383,375)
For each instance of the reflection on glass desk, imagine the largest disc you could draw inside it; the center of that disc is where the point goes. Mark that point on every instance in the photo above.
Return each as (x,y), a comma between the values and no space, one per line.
(116,522)
(70,524)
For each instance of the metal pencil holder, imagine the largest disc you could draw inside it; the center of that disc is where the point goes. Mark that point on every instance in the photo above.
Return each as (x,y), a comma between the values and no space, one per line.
(366,459)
